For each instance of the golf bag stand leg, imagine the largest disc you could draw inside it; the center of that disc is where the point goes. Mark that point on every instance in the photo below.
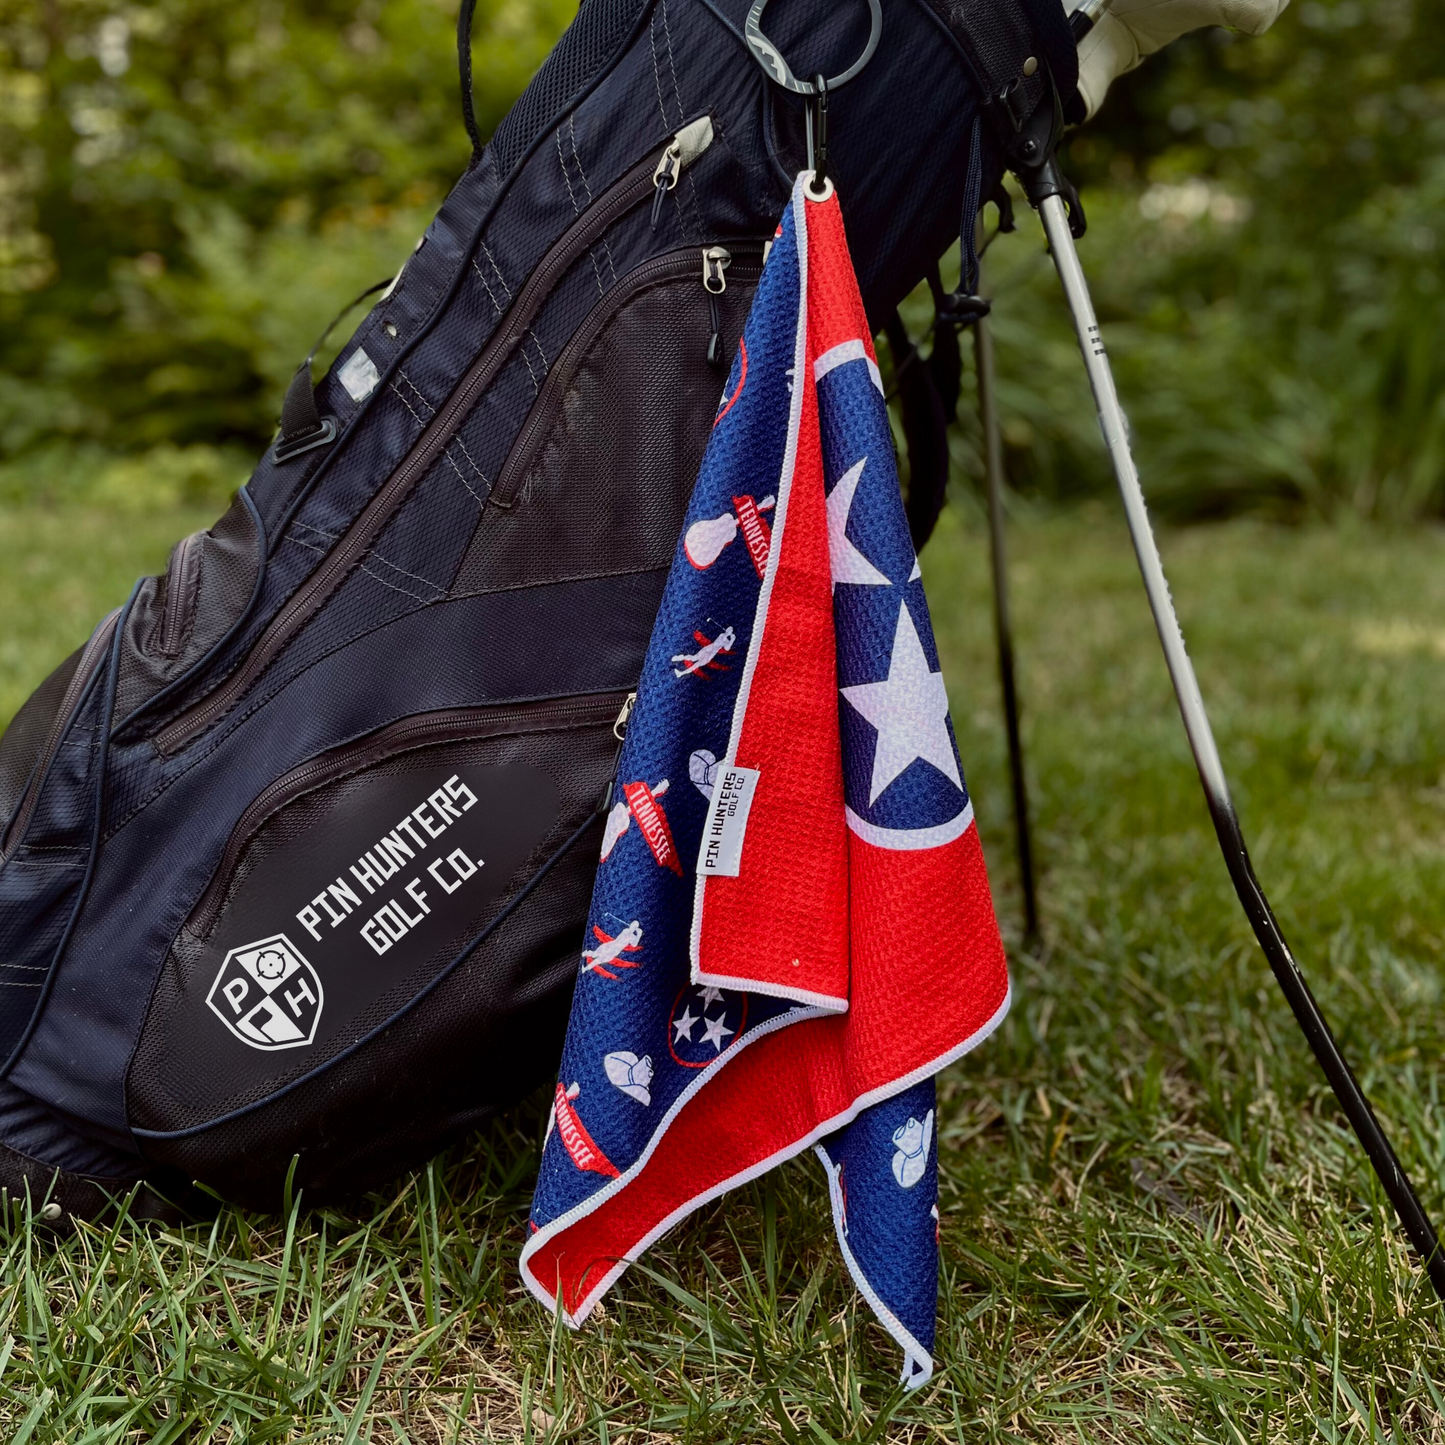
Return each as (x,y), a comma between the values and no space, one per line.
(1003,627)
(1032,160)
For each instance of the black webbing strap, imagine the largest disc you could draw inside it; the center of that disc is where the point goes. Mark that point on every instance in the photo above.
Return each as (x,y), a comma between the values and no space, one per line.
(1014,47)
(302,425)
(464,65)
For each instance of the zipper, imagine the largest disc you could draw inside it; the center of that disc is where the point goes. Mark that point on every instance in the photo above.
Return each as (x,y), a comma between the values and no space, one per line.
(674,266)
(684,148)
(462,724)
(614,203)
(619,731)
(90,659)
(715,263)
(180,576)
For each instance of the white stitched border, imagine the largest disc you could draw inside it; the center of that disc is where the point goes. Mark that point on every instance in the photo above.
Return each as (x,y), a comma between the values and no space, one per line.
(754,1171)
(912,1350)
(780,521)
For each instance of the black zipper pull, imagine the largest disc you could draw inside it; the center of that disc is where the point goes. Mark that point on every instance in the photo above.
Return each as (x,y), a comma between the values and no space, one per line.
(664,178)
(682,150)
(715,262)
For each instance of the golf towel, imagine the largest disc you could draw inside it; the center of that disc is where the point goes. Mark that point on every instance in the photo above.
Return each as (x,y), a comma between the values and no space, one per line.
(791,930)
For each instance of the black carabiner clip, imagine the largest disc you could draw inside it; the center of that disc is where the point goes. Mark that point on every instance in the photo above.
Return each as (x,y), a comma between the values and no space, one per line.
(815,91)
(816,117)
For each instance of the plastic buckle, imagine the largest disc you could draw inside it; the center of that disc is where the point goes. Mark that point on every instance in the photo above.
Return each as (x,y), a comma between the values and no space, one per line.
(288,447)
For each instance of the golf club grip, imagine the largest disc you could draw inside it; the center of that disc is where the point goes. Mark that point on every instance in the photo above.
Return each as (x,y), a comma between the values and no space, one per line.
(1206,756)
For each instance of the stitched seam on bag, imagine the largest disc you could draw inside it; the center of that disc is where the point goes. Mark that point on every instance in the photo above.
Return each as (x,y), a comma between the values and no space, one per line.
(527,362)
(672,63)
(446,453)
(562,161)
(656,72)
(587,186)
(690,178)
(482,476)
(373,556)
(502,281)
(487,285)
(221,733)
(362,567)
(570,577)
(376,577)
(577,208)
(416,391)
(496,269)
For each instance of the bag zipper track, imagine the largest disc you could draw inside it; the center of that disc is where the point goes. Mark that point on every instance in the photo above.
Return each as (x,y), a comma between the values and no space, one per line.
(675,265)
(179,577)
(625,194)
(90,659)
(424,730)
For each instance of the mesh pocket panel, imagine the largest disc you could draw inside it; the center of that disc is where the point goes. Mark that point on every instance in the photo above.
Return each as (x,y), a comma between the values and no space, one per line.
(592,38)
(604,479)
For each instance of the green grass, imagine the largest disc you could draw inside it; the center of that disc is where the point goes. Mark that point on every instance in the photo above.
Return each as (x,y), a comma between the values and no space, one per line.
(1155,1225)
(62,569)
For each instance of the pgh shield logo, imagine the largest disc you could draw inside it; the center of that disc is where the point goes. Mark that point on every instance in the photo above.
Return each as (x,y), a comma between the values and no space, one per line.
(268,995)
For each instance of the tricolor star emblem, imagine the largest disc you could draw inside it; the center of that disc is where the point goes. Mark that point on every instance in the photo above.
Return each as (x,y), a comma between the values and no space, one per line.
(705,1023)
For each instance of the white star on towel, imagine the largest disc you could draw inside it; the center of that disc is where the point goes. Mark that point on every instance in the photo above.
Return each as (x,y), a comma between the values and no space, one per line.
(682,1027)
(909,709)
(713,1033)
(849,564)
(710,995)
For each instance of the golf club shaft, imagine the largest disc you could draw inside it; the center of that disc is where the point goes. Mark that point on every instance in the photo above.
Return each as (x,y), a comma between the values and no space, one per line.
(1003,627)
(1206,756)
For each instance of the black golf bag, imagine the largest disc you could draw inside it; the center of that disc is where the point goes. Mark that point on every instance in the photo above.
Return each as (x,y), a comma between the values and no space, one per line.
(296,850)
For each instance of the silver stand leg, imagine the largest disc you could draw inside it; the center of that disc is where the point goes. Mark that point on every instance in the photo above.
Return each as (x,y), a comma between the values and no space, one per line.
(1206,756)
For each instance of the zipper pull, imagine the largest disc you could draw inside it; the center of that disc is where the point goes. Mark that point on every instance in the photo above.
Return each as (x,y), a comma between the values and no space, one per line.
(715,262)
(619,728)
(683,149)
(619,731)
(664,178)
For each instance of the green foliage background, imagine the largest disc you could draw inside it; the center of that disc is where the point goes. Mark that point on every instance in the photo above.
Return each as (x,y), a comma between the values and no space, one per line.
(189,189)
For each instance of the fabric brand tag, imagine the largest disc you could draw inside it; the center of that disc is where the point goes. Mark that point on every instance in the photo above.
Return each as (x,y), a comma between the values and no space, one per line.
(359,376)
(722,840)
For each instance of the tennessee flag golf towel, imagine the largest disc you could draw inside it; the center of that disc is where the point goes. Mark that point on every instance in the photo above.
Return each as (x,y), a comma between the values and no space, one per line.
(791,930)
